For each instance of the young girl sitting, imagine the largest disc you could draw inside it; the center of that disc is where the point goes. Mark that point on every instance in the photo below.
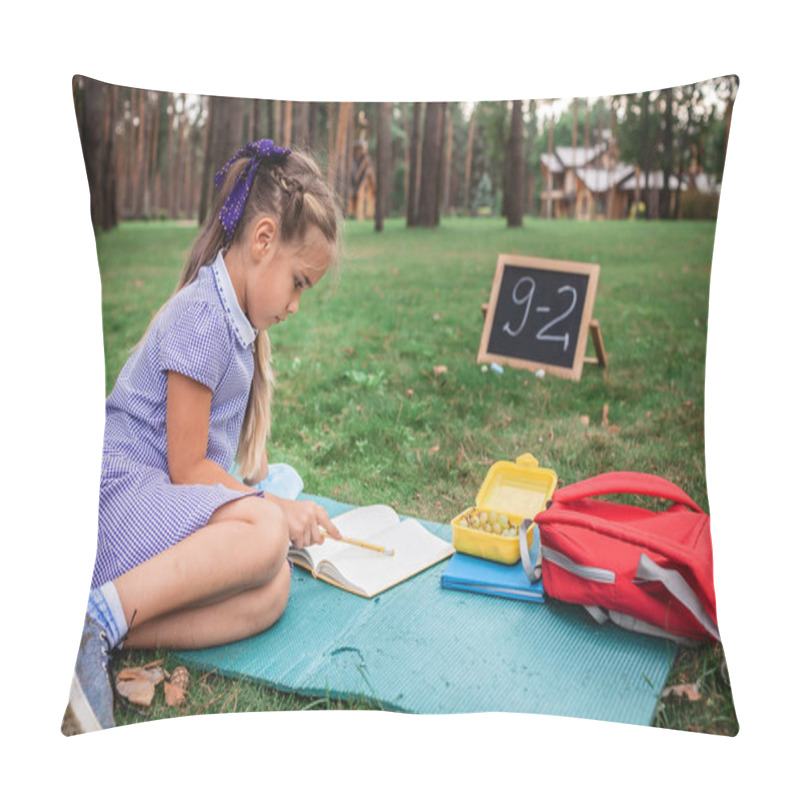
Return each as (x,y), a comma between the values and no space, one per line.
(187,555)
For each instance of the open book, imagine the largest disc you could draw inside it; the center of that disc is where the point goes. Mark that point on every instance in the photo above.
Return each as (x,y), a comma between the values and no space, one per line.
(367,572)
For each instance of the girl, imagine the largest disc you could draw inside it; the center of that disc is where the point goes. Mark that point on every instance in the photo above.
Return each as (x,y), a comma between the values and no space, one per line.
(187,555)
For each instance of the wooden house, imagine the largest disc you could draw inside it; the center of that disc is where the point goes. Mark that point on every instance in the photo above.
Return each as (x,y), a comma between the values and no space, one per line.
(591,183)
(361,203)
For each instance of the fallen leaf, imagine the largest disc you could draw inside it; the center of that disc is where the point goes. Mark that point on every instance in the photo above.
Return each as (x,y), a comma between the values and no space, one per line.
(584,420)
(434,450)
(138,684)
(687,403)
(613,428)
(151,673)
(439,370)
(139,692)
(687,690)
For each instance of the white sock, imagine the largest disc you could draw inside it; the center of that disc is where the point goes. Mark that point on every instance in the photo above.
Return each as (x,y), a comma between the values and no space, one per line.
(106,609)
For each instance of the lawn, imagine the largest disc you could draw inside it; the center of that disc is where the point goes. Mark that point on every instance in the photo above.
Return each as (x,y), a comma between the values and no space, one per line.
(365,414)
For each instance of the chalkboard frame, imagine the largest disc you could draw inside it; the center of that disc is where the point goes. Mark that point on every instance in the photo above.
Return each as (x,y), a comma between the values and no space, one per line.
(592,271)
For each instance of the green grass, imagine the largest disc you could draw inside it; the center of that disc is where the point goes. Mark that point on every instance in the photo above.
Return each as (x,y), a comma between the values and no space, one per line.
(362,415)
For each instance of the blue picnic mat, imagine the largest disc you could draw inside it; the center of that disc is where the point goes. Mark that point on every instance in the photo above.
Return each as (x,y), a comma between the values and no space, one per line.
(422,649)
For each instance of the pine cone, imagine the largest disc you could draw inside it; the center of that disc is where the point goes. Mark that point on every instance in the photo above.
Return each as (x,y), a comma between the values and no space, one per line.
(175,688)
(180,677)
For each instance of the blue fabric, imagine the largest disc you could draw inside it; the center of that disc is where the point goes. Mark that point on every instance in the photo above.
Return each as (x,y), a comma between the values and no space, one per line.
(201,333)
(282,481)
(423,649)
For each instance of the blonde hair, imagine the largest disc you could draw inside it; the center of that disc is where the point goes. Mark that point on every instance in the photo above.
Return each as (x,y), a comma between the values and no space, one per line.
(297,196)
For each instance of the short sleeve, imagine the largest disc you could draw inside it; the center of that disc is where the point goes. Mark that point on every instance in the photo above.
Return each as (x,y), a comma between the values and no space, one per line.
(197,343)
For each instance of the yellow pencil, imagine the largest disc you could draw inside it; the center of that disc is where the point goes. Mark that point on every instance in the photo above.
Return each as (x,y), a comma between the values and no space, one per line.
(358,543)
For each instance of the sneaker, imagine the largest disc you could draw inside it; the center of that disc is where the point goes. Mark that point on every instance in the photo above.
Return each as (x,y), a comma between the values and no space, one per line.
(91,698)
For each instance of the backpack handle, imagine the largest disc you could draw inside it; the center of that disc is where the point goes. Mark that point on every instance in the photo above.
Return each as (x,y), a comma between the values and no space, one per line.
(625,483)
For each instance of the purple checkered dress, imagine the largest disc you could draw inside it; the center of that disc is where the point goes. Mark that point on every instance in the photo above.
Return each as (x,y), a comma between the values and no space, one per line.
(204,334)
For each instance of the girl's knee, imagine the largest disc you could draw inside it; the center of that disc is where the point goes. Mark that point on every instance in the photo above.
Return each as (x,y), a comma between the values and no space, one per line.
(270,601)
(273,530)
(263,532)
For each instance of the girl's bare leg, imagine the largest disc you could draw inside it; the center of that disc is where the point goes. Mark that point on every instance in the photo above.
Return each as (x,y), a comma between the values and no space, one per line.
(221,578)
(237,617)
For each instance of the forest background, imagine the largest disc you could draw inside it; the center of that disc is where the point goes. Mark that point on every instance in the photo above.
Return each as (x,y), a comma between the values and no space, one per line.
(152,155)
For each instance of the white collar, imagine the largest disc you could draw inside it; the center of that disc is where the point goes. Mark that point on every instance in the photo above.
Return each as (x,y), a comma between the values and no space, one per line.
(245,332)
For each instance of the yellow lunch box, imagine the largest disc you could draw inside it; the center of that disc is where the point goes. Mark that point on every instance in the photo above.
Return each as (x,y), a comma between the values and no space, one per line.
(514,489)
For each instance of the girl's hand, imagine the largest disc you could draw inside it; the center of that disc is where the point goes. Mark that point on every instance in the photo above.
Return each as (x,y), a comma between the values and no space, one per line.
(305,520)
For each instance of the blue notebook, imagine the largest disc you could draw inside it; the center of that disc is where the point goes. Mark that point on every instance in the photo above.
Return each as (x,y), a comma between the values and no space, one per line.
(469,574)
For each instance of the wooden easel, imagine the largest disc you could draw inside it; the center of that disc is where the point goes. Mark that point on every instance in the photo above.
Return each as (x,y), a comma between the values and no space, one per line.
(600,358)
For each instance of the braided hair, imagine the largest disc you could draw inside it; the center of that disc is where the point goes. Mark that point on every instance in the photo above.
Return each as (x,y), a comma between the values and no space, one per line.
(296,195)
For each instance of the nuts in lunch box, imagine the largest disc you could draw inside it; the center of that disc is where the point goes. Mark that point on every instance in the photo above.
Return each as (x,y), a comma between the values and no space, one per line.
(493,522)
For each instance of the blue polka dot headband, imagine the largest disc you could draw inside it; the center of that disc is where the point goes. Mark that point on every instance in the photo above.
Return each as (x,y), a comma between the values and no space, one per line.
(262,150)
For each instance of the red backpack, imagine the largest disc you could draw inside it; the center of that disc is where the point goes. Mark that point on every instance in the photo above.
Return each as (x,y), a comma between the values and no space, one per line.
(645,570)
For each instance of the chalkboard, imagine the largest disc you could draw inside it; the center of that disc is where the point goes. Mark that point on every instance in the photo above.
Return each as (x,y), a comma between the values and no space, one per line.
(538,314)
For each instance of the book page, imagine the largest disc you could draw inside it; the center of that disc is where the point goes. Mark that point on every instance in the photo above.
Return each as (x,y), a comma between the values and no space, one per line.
(415,548)
(358,523)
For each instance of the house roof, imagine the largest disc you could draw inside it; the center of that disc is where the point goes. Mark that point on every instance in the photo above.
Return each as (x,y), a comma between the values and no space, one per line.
(578,156)
(601,180)
(551,162)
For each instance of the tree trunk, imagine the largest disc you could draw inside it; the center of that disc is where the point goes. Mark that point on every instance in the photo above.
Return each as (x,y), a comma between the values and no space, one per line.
(287,123)
(612,189)
(683,147)
(95,125)
(181,165)
(226,134)
(516,167)
(448,160)
(301,125)
(152,180)
(139,169)
(411,196)
(666,162)
(337,172)
(573,199)
(198,192)
(207,183)
(313,118)
(428,212)
(468,164)
(110,217)
(384,165)
(253,127)
(171,156)
(277,136)
(646,165)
